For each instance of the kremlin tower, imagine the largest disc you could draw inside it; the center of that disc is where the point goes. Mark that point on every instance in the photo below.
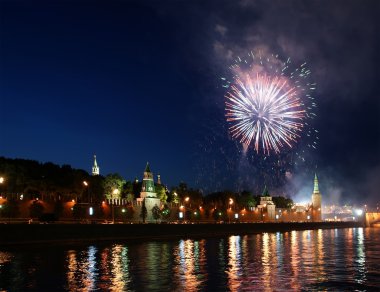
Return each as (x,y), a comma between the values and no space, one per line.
(95,168)
(148,195)
(147,188)
(316,201)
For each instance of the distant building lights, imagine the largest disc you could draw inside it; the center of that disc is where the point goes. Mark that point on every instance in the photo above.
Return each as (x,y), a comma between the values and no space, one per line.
(277,216)
(91,211)
(236,215)
(182,207)
(308,217)
(180,215)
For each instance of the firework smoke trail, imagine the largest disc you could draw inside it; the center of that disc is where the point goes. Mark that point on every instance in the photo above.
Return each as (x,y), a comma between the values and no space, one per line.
(264,105)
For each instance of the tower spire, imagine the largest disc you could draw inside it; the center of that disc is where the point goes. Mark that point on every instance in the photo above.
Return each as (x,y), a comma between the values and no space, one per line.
(95,168)
(316,187)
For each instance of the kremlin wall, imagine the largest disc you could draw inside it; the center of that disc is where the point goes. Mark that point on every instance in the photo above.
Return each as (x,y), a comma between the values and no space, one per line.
(119,210)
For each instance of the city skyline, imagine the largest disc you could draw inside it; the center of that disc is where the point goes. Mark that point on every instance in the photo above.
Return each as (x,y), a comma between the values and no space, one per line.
(140,81)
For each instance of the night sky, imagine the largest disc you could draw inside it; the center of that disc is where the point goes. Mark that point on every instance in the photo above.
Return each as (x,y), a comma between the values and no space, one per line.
(138,81)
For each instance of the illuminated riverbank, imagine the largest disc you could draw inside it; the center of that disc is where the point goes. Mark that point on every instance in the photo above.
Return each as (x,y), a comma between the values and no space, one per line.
(91,233)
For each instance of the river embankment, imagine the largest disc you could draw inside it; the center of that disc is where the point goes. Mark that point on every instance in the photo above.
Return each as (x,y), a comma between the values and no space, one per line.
(18,234)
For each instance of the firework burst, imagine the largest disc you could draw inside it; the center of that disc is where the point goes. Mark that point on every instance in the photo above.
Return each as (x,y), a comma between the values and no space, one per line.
(267,105)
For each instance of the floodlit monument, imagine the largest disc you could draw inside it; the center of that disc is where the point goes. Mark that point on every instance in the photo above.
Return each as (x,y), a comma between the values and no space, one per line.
(316,202)
(148,196)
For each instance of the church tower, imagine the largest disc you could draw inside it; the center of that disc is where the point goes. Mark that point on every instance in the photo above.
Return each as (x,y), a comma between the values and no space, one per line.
(316,200)
(95,168)
(147,188)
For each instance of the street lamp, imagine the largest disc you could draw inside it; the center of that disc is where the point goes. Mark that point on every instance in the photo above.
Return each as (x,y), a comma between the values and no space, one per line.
(86,187)
(114,192)
(2,179)
(230,203)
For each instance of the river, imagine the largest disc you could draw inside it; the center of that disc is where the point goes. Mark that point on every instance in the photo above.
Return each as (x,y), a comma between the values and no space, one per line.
(330,259)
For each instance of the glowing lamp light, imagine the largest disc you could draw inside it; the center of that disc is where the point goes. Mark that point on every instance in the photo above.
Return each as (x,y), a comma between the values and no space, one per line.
(180,215)
(123,210)
(236,215)
(195,213)
(1,206)
(91,211)
(359,212)
(308,217)
(73,200)
(277,216)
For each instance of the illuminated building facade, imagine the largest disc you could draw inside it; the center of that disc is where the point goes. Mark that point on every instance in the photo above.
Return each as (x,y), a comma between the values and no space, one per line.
(316,202)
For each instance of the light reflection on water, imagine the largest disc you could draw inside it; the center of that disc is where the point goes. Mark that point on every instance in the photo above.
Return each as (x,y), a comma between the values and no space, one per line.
(345,259)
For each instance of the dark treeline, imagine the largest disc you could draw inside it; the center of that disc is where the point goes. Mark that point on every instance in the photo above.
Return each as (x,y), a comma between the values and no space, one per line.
(48,181)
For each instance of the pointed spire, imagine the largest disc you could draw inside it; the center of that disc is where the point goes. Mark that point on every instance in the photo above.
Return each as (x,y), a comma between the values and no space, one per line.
(147,169)
(265,192)
(95,168)
(316,187)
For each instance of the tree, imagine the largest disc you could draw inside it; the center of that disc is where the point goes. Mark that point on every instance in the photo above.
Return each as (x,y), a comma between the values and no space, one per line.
(144,211)
(165,212)
(217,214)
(246,200)
(113,184)
(130,198)
(36,209)
(161,193)
(282,202)
(156,212)
(127,189)
(173,197)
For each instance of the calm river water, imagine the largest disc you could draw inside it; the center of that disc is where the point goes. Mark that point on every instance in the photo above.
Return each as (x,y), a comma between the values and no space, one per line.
(338,259)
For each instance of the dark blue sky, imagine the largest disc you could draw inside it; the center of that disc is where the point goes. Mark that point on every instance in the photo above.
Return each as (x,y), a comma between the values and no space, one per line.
(137,81)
